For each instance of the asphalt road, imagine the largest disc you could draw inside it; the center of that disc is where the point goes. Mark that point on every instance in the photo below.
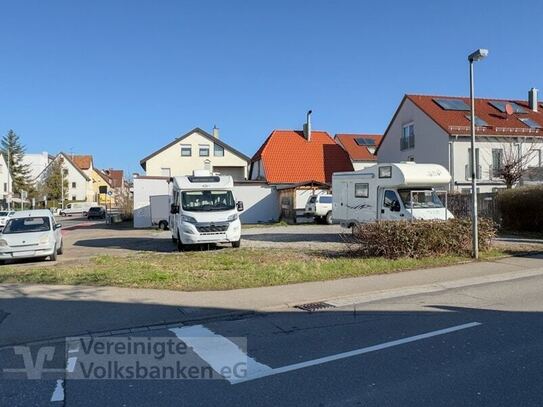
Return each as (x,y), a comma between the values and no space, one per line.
(478,345)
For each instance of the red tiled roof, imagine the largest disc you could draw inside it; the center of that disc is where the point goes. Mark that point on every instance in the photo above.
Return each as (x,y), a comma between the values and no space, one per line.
(355,151)
(116,177)
(82,161)
(455,122)
(289,158)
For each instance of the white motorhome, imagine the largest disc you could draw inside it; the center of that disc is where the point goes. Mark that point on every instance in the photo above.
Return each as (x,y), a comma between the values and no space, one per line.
(204,210)
(390,192)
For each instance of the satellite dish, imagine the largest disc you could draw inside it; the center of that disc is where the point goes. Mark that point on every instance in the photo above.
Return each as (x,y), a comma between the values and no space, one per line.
(509,109)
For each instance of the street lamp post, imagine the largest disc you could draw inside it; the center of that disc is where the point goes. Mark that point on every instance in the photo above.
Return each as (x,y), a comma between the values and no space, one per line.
(474,57)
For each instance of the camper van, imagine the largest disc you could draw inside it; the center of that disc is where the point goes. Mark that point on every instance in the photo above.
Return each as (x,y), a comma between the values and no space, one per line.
(390,192)
(204,210)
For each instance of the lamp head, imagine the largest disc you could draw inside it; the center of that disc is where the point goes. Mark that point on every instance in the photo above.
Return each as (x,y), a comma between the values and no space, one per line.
(481,53)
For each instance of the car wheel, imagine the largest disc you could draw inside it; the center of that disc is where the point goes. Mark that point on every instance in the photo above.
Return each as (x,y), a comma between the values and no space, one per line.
(329,220)
(236,244)
(62,213)
(61,249)
(53,257)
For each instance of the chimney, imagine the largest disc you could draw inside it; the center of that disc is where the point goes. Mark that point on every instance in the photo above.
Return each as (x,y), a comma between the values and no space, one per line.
(215,132)
(307,127)
(532,99)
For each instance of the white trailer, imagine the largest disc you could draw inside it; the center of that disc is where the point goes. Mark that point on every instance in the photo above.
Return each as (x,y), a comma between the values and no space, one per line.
(390,192)
(204,210)
(160,210)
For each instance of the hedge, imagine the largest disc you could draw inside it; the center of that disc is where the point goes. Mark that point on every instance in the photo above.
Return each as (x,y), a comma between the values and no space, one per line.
(419,238)
(521,209)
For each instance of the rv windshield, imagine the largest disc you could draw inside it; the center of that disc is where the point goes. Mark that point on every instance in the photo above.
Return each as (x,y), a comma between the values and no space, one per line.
(421,199)
(203,201)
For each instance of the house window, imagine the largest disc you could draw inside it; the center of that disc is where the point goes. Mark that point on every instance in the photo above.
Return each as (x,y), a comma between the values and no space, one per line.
(74,198)
(497,161)
(385,172)
(102,189)
(477,166)
(165,172)
(65,172)
(186,150)
(408,137)
(218,151)
(74,185)
(203,150)
(361,190)
(411,158)
(5,187)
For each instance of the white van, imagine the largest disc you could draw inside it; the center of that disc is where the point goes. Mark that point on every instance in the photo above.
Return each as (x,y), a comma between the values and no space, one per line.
(390,192)
(320,206)
(204,210)
(76,208)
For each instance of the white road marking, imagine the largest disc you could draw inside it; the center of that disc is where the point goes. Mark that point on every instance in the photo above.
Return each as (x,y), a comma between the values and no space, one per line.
(356,352)
(58,394)
(70,365)
(218,351)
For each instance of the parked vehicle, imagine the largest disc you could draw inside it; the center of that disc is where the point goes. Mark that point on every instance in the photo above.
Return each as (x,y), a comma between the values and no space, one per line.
(4,216)
(77,208)
(204,210)
(30,234)
(96,212)
(320,206)
(160,210)
(390,192)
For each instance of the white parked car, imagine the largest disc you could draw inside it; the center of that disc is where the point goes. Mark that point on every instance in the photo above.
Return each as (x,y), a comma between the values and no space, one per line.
(320,206)
(4,216)
(31,234)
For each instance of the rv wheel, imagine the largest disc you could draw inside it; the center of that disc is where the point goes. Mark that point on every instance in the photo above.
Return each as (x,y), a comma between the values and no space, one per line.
(163,225)
(180,245)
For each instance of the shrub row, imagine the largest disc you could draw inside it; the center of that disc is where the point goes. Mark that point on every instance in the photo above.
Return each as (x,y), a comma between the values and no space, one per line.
(419,238)
(521,209)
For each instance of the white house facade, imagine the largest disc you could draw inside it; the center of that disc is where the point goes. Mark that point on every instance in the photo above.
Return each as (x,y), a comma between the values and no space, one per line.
(196,150)
(436,129)
(4,180)
(36,163)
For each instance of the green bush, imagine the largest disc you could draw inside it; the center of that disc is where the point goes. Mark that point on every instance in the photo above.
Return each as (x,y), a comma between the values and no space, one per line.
(419,238)
(521,209)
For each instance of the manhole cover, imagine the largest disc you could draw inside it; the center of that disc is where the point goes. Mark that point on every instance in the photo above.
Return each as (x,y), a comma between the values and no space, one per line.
(314,306)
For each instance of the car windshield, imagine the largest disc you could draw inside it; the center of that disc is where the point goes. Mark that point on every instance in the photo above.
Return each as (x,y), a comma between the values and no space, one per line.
(27,225)
(421,199)
(201,201)
(95,209)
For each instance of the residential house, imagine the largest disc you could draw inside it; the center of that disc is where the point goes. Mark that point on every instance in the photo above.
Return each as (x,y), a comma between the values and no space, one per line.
(4,182)
(436,129)
(102,185)
(360,147)
(79,183)
(299,164)
(36,163)
(196,150)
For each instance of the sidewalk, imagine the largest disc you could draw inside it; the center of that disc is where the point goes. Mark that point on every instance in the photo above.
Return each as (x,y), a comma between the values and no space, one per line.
(31,313)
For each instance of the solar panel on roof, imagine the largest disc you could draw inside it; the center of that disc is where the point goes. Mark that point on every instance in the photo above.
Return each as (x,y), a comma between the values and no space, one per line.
(530,123)
(452,104)
(478,121)
(501,106)
(363,141)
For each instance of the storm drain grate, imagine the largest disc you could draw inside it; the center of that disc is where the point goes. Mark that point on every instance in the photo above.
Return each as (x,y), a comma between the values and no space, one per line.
(314,306)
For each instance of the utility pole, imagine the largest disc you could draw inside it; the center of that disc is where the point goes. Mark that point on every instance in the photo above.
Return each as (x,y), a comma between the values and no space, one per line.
(9,179)
(61,183)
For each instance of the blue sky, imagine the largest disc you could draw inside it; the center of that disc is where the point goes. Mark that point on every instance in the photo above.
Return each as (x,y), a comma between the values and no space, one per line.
(119,79)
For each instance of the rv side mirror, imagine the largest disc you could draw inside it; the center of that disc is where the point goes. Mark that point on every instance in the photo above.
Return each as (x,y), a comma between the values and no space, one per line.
(174,209)
(395,206)
(240,206)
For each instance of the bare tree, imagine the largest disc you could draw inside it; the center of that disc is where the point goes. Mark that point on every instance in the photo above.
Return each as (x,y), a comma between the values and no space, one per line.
(515,162)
